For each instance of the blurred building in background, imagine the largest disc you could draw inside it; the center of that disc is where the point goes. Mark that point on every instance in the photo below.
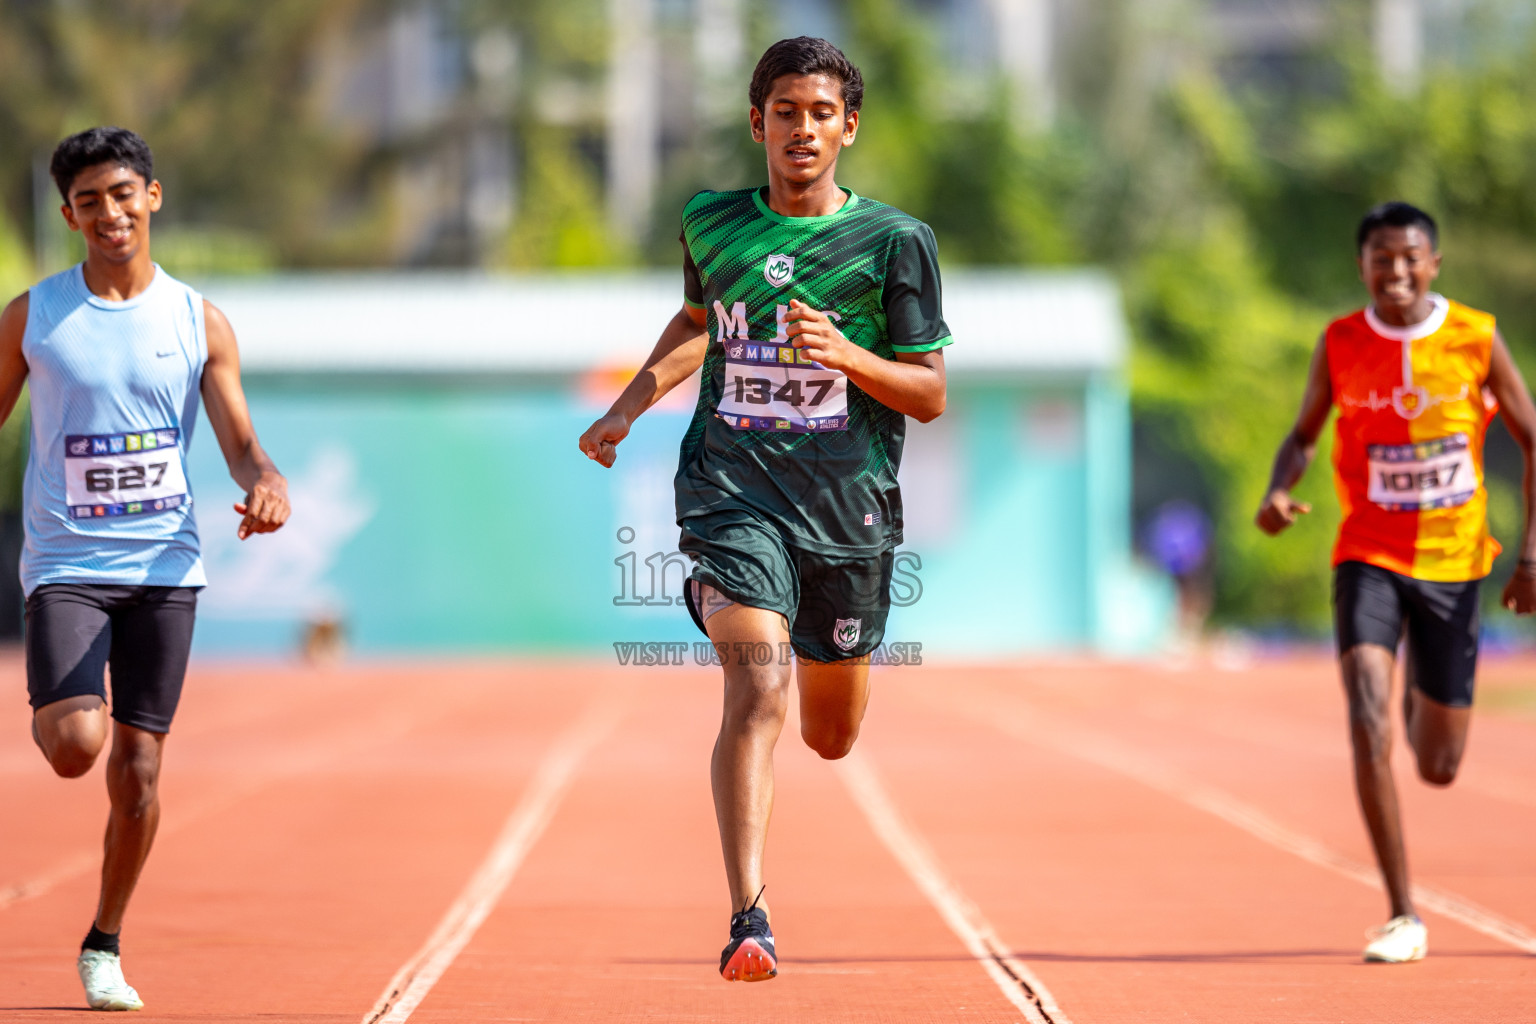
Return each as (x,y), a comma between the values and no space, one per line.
(428,426)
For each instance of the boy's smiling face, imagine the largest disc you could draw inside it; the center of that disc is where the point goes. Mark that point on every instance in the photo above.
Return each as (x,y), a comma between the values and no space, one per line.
(110,204)
(1398,265)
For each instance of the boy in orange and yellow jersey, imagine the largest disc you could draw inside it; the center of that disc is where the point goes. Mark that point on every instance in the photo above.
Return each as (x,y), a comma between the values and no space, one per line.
(1416,379)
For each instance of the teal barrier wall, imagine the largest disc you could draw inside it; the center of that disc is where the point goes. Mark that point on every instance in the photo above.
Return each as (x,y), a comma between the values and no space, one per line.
(458,515)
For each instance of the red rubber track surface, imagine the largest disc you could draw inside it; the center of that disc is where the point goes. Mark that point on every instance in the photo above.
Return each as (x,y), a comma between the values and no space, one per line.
(318,824)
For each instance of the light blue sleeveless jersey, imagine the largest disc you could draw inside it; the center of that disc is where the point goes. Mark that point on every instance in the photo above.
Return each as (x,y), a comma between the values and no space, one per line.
(114,400)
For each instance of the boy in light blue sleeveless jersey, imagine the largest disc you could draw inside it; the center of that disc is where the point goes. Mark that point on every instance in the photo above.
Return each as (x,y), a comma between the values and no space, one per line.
(118,353)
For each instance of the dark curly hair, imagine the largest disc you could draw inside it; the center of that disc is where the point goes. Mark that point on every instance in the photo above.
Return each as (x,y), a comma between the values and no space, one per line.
(1396,215)
(806,55)
(100,146)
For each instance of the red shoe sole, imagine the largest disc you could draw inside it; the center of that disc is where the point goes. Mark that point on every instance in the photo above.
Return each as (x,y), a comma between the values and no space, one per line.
(750,962)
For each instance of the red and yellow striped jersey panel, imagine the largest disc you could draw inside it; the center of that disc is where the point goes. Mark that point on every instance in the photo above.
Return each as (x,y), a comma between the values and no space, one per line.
(1408,451)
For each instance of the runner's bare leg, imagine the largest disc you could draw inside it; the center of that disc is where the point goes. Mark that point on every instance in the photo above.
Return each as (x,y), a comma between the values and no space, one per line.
(133,777)
(741,768)
(71,734)
(1367,671)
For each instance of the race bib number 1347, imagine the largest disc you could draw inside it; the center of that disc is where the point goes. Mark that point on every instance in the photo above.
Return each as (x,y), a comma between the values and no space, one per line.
(124,474)
(775,387)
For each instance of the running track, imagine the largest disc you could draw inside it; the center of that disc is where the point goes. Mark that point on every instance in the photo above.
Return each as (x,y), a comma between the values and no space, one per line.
(534,841)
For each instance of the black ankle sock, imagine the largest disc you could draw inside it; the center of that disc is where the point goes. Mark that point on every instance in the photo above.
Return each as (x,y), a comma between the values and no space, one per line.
(101,941)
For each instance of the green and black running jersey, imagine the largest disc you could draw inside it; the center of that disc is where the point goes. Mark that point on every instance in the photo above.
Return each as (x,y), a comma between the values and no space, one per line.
(784,438)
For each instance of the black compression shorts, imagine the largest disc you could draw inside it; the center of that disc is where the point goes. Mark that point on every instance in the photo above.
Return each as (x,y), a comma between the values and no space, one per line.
(1437,621)
(75,630)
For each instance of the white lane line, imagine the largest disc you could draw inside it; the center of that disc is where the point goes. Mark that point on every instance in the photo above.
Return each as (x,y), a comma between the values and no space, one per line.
(522,830)
(1017,982)
(1033,727)
(38,885)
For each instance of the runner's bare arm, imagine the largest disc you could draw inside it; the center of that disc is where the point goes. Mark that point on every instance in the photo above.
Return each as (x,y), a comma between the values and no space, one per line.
(678,354)
(1519,415)
(13,368)
(913,385)
(1278,510)
(266,491)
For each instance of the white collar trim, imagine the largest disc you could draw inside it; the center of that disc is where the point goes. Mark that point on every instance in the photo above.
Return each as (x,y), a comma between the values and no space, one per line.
(1439,307)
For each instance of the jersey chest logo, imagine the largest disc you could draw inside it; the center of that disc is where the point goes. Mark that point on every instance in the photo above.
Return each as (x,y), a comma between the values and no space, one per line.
(779,269)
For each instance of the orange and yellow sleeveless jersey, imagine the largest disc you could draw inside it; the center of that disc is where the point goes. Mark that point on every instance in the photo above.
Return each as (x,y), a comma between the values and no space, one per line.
(1408,451)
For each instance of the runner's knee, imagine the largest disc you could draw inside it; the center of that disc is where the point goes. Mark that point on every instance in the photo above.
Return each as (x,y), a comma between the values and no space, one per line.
(756,698)
(1370,731)
(133,779)
(134,794)
(1438,768)
(830,741)
(71,759)
(71,743)
(1438,774)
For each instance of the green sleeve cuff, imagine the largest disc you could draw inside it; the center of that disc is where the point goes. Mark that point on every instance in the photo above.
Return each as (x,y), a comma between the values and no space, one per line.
(927,346)
(691,304)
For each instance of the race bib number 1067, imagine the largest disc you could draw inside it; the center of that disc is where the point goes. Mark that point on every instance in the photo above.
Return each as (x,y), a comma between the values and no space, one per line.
(124,474)
(775,387)
(1425,475)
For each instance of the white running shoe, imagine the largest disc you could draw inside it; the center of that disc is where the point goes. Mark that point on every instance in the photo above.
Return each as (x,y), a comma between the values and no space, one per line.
(1398,941)
(102,975)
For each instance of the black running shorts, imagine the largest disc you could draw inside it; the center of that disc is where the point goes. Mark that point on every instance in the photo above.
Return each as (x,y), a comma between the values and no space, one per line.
(75,630)
(1438,623)
(836,606)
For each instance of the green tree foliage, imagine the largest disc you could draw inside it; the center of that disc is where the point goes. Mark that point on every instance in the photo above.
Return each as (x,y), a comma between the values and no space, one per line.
(1464,148)
(1157,185)
(1222,348)
(561,223)
(1230,222)
(956,160)
(1294,179)
(556,111)
(15,265)
(1229,218)
(228,94)
(15,275)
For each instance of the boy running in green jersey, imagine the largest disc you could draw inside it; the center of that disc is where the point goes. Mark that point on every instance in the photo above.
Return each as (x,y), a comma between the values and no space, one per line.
(815,316)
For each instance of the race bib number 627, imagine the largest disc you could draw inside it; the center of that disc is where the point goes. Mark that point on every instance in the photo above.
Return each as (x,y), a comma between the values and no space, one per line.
(123,474)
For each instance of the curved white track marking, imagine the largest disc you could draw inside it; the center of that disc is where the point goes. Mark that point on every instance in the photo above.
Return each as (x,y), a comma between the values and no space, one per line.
(1017,982)
(1027,724)
(79,864)
(522,830)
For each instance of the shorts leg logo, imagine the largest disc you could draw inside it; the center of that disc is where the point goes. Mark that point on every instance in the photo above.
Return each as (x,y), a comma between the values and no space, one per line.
(846,633)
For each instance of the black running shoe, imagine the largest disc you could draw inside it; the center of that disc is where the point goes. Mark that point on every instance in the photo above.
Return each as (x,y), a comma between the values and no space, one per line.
(750,955)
